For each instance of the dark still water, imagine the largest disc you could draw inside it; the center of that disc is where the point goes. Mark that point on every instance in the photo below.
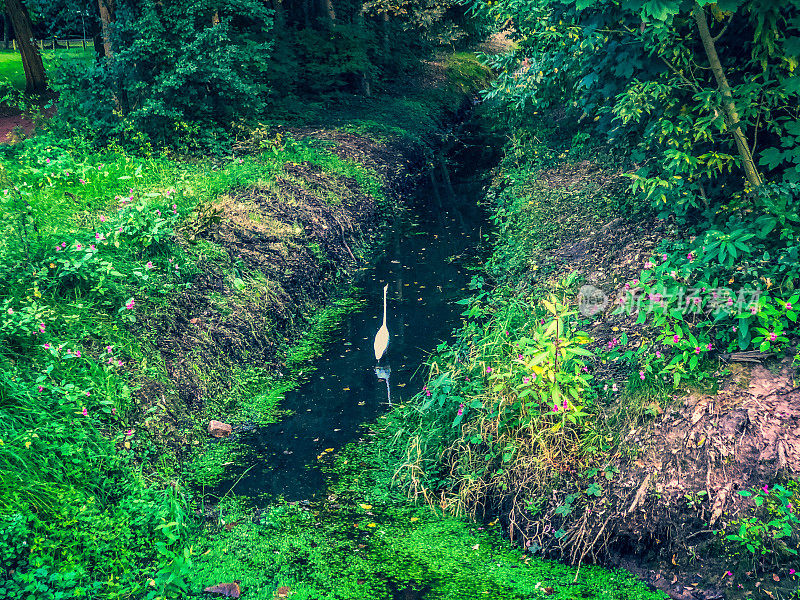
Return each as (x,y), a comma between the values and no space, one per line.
(427,265)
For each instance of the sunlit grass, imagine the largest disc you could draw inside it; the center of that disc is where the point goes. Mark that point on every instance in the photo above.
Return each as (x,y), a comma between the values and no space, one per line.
(11,62)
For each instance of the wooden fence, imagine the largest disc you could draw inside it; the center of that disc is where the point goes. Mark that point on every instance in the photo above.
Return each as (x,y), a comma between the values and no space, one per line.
(52,44)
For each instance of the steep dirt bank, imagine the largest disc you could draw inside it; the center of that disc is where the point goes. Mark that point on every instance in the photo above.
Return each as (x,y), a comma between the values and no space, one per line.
(673,488)
(268,257)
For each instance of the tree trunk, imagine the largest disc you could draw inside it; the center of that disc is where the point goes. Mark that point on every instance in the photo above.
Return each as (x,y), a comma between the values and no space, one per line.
(728,106)
(35,79)
(6,30)
(107,17)
(329,12)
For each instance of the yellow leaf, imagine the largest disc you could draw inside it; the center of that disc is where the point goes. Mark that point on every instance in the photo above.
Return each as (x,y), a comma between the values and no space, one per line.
(366,506)
(412,519)
(372,524)
(328,449)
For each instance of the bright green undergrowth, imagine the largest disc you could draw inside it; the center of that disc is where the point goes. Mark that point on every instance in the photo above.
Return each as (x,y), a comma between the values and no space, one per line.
(368,542)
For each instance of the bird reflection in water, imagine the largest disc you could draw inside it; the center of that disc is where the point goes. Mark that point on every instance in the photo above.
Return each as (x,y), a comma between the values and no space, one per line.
(383,373)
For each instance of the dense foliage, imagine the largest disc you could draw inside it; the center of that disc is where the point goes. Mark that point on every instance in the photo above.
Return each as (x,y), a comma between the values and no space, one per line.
(176,72)
(709,117)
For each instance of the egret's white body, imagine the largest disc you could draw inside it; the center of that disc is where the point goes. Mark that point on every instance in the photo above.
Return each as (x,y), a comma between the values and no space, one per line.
(382,337)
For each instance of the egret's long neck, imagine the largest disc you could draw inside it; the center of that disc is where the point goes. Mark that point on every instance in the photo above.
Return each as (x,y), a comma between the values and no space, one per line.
(384,307)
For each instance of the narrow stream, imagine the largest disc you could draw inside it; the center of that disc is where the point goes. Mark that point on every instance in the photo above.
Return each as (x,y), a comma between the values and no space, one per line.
(427,266)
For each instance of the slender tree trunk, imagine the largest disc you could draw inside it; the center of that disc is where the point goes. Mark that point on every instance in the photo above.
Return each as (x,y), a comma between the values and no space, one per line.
(385,36)
(728,105)
(6,30)
(329,12)
(364,75)
(107,17)
(279,18)
(35,79)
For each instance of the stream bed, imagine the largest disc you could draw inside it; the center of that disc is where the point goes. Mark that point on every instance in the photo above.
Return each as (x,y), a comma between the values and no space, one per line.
(428,262)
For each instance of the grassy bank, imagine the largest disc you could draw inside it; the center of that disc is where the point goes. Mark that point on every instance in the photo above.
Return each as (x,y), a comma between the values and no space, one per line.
(143,294)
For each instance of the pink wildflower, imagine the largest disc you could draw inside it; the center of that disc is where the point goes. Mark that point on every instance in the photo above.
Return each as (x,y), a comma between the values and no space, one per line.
(85,412)
(92,247)
(42,327)
(98,236)
(788,306)
(129,432)
(113,410)
(526,379)
(119,363)
(772,337)
(47,346)
(728,574)
(709,346)
(103,218)
(675,339)
(130,304)
(555,407)
(82,181)
(488,369)
(641,375)
(690,256)
(41,388)
(792,571)
(658,354)
(108,348)
(149,265)
(697,349)
(63,244)
(460,409)
(78,246)
(88,393)
(78,353)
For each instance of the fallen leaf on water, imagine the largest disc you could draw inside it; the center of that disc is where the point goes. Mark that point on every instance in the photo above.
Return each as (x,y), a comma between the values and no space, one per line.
(365,506)
(328,449)
(345,389)
(229,590)
(401,385)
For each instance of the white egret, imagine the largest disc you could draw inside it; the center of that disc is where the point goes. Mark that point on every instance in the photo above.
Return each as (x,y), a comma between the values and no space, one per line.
(382,337)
